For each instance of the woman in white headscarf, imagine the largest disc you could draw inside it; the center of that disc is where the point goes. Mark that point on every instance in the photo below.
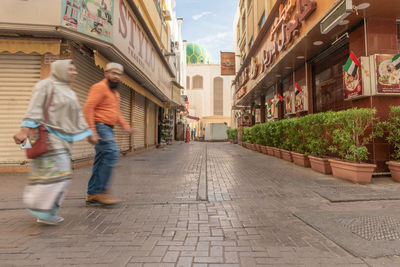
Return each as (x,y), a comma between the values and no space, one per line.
(51,172)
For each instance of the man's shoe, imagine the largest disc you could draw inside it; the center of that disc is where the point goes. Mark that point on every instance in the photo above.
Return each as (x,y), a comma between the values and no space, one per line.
(104,199)
(51,220)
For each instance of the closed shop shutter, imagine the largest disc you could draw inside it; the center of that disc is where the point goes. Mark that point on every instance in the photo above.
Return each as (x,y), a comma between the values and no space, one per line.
(122,138)
(18,74)
(151,127)
(88,74)
(139,121)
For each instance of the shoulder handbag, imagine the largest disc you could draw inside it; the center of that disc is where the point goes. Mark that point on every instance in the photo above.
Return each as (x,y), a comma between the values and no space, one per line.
(38,135)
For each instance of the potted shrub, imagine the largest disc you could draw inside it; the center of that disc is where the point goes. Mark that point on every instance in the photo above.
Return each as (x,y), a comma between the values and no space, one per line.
(276,137)
(287,141)
(232,135)
(246,137)
(267,137)
(317,140)
(392,125)
(257,138)
(299,146)
(353,131)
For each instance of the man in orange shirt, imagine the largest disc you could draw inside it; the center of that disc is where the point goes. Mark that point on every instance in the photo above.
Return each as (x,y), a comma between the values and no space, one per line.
(102,114)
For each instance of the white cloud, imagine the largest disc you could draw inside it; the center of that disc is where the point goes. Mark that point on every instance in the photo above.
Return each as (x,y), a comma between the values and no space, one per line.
(216,38)
(199,16)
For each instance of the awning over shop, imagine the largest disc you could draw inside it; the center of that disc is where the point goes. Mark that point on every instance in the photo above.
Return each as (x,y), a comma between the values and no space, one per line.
(192,117)
(30,46)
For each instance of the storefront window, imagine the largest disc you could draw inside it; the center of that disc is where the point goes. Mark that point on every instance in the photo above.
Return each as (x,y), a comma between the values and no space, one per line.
(288,95)
(328,81)
(398,34)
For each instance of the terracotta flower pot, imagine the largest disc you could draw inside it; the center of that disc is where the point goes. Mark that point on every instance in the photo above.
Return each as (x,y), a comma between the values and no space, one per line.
(277,152)
(258,148)
(270,150)
(320,165)
(264,150)
(301,159)
(360,173)
(286,155)
(394,167)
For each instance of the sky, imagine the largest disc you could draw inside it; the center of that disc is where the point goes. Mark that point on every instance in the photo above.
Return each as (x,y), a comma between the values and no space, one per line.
(208,23)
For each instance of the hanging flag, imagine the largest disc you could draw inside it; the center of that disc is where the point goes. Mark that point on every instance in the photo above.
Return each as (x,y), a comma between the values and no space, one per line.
(253,111)
(298,89)
(280,98)
(352,65)
(270,102)
(396,61)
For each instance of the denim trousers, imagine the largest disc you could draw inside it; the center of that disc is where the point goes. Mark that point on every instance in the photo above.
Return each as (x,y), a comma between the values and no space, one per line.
(107,154)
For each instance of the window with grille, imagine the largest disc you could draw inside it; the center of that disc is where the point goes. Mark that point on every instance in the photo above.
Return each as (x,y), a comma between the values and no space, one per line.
(218,96)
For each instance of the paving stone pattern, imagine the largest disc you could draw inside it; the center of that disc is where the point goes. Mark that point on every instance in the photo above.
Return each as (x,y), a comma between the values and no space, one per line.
(248,220)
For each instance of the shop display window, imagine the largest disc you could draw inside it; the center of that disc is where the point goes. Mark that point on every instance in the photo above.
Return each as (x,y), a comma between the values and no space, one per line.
(328,81)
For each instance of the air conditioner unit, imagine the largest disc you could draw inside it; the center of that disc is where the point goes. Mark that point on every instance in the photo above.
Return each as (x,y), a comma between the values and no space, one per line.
(339,13)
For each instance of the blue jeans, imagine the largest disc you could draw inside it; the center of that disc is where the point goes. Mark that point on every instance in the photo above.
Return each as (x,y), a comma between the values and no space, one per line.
(107,154)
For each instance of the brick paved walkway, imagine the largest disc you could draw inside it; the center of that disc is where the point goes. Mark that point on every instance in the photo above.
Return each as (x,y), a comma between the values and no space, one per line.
(248,219)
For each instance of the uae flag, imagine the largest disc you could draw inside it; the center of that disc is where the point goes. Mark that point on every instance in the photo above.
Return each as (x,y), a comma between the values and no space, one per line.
(269,103)
(352,65)
(396,61)
(280,98)
(253,111)
(298,89)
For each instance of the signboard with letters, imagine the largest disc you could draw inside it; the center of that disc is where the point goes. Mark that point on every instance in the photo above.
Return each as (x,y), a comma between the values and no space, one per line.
(228,63)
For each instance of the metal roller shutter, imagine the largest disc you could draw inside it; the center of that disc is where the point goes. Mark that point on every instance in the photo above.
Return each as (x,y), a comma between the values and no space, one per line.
(18,74)
(151,127)
(139,121)
(88,74)
(122,138)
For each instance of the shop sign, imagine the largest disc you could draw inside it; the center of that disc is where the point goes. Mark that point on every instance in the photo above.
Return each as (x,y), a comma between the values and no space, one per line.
(254,68)
(352,85)
(244,77)
(241,92)
(283,31)
(91,17)
(228,63)
(132,41)
(388,77)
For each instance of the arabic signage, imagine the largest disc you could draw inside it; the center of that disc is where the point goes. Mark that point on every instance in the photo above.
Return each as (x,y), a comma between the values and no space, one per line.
(132,41)
(228,63)
(241,92)
(284,29)
(91,17)
(388,77)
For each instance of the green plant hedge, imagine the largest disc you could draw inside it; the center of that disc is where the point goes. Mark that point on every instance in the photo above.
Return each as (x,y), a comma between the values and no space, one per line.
(344,133)
(232,134)
(392,126)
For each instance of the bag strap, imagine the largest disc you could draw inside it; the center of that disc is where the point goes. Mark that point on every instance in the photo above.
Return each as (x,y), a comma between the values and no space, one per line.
(46,113)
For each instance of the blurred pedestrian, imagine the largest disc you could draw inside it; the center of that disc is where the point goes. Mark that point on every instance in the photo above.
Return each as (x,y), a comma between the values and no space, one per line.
(194,133)
(102,114)
(51,172)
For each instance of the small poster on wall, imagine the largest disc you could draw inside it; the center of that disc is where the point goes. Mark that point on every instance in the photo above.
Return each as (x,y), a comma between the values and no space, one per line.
(91,17)
(352,84)
(388,76)
(300,99)
(288,102)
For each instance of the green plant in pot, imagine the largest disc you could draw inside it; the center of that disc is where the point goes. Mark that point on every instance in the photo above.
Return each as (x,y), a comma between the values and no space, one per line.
(392,126)
(354,129)
(317,139)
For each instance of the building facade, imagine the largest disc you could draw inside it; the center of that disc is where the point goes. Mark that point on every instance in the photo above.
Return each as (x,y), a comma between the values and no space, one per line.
(209,93)
(136,34)
(306,43)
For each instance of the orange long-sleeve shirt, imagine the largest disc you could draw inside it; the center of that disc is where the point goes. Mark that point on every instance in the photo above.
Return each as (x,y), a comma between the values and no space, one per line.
(102,105)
